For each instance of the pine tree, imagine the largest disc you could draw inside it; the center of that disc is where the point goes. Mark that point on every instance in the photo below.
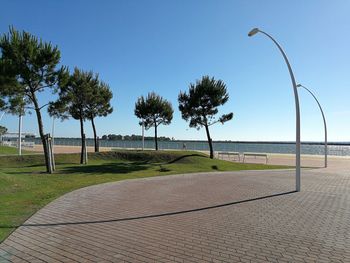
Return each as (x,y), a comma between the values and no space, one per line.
(73,100)
(200,105)
(28,66)
(98,105)
(154,111)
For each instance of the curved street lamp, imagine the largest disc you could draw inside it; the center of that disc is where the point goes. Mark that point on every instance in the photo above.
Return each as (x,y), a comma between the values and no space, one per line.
(324,124)
(297,110)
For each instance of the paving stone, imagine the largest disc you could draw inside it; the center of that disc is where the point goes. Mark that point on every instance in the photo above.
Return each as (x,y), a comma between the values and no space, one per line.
(84,225)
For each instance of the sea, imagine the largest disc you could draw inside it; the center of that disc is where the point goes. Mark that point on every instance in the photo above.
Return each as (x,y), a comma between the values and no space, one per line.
(312,148)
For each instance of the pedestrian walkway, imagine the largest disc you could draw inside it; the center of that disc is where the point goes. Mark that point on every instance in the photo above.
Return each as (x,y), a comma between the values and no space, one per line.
(246,216)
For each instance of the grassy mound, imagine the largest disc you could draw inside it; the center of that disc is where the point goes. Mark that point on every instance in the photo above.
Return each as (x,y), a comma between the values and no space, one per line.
(74,158)
(144,156)
(6,150)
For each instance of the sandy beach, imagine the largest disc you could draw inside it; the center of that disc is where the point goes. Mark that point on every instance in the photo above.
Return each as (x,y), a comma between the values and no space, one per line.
(278,159)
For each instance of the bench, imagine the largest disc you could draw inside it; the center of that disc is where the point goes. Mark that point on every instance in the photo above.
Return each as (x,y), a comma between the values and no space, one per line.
(228,154)
(28,144)
(15,144)
(255,155)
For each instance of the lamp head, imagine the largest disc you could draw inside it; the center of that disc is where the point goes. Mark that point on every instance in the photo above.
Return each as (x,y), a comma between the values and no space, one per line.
(253,32)
(299,85)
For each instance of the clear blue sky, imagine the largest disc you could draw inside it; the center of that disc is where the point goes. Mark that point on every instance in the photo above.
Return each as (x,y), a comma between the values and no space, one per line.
(162,46)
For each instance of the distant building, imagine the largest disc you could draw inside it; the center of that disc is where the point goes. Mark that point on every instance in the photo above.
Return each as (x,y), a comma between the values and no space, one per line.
(14,135)
(11,139)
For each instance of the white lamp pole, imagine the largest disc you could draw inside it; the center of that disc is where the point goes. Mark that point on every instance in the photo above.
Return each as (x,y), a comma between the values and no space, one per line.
(143,135)
(297,110)
(20,134)
(324,124)
(52,134)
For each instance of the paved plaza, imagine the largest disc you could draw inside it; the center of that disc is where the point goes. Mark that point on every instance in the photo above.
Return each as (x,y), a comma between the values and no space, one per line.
(247,216)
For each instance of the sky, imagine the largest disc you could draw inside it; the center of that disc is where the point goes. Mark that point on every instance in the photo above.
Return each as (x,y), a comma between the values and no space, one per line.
(141,46)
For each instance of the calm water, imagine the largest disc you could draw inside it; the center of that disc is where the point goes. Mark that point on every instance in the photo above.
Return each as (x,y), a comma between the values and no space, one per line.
(340,150)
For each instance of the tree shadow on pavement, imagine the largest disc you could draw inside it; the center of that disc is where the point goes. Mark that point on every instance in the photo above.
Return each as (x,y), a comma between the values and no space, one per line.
(153,215)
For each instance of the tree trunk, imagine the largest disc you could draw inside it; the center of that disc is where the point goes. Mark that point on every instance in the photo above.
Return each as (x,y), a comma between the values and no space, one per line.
(41,132)
(210,142)
(82,141)
(95,136)
(155,137)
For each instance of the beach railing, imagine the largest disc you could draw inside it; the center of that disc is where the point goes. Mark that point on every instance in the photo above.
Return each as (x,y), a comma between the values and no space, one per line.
(246,154)
(228,154)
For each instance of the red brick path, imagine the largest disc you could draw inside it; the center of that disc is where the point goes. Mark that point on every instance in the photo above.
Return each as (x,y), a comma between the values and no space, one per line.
(310,226)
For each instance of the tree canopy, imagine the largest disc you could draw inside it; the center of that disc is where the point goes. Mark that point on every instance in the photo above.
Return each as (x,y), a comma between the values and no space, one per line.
(28,65)
(200,105)
(83,97)
(153,111)
(3,130)
(99,101)
(74,96)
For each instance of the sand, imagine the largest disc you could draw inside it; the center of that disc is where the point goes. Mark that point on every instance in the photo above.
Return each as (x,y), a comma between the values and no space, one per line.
(278,159)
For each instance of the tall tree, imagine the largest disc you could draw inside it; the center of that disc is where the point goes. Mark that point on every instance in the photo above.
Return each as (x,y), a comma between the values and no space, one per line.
(200,105)
(73,99)
(153,111)
(28,66)
(98,105)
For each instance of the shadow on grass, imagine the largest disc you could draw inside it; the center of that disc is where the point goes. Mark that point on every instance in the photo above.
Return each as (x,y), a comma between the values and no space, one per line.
(186,156)
(118,167)
(163,169)
(124,167)
(108,167)
(30,172)
(105,168)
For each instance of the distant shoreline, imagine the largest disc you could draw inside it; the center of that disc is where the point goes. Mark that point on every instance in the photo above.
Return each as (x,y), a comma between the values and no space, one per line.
(271,142)
(226,141)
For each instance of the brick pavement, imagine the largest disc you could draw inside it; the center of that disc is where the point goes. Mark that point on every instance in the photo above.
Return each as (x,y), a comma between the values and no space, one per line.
(310,226)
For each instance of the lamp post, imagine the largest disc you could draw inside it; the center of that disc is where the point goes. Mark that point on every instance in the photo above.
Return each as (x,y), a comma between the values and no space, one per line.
(324,123)
(53,133)
(143,135)
(20,117)
(20,134)
(297,110)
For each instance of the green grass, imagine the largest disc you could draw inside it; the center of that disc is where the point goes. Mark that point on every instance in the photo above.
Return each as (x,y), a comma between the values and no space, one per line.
(25,188)
(5,150)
